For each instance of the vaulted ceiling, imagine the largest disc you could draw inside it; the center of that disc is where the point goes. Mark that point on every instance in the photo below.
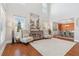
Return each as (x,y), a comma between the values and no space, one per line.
(59,12)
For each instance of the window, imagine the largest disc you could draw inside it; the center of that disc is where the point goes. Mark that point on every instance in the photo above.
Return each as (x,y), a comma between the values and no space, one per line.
(21,20)
(45,8)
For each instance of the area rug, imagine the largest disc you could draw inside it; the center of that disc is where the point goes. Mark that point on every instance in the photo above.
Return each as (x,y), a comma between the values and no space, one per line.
(52,47)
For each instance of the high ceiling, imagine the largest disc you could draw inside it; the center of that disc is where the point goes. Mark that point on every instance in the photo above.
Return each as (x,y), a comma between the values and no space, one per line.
(22,8)
(59,12)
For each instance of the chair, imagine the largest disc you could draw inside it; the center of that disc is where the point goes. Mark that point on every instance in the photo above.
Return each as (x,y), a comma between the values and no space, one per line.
(25,37)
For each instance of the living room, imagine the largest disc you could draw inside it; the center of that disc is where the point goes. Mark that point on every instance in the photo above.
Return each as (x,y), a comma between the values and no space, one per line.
(36,26)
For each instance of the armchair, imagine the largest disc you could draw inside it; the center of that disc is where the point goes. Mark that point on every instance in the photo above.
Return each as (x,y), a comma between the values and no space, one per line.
(25,37)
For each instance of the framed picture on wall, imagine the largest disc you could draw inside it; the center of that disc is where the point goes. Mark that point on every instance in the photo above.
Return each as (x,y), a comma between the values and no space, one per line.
(34,21)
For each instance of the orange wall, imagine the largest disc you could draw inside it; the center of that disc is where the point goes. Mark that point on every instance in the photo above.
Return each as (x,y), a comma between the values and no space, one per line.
(69,26)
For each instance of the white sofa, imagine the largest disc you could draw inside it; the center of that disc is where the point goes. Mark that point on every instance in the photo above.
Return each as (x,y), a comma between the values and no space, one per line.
(26,39)
(23,37)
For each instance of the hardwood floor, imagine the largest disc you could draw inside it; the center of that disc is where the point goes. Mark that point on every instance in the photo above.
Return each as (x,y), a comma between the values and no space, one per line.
(28,50)
(74,51)
(20,49)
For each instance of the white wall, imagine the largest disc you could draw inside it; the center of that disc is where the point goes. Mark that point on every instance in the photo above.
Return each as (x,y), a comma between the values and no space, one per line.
(3,40)
(76,29)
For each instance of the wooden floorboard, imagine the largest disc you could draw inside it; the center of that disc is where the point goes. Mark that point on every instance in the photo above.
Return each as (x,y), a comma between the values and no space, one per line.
(28,50)
(74,51)
(20,49)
